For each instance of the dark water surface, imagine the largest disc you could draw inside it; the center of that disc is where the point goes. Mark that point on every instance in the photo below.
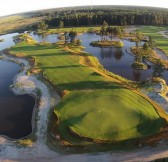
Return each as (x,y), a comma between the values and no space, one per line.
(118,60)
(15,111)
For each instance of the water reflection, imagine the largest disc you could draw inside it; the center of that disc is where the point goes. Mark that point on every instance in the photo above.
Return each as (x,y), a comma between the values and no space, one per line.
(137,74)
(52,38)
(109,53)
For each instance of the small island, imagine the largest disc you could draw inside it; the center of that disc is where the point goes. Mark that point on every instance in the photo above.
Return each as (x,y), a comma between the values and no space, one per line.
(110,37)
(107,44)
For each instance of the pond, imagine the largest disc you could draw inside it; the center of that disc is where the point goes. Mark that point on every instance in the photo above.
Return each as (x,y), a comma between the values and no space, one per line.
(116,60)
(15,111)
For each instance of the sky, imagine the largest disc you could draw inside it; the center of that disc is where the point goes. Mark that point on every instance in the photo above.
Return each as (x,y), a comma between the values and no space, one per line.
(8,7)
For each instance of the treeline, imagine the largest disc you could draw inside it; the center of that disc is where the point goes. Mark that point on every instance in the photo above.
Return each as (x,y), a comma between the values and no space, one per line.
(114,16)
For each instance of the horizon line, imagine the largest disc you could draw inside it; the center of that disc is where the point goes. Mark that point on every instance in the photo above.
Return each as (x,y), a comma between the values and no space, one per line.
(38,10)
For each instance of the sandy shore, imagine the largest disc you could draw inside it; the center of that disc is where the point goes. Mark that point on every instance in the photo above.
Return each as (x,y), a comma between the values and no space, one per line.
(163,33)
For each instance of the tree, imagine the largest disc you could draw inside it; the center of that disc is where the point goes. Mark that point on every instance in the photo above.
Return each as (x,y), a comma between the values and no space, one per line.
(105,24)
(66,37)
(138,56)
(110,31)
(102,32)
(72,35)
(151,43)
(42,26)
(78,42)
(158,69)
(145,46)
(61,24)
(118,32)
(139,37)
(123,21)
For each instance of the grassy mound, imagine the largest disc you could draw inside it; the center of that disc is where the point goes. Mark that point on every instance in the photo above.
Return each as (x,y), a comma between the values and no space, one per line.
(107,44)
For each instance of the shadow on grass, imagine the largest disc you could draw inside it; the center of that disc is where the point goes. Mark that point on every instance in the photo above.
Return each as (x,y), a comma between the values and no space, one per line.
(86,85)
(58,67)
(51,54)
(31,48)
(150,127)
(65,125)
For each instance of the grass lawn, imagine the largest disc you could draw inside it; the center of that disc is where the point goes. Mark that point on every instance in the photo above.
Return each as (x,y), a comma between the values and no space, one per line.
(161,41)
(77,29)
(95,107)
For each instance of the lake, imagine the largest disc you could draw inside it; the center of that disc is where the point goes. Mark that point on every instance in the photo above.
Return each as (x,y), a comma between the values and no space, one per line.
(15,110)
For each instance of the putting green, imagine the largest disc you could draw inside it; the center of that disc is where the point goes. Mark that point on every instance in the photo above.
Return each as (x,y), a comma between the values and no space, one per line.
(108,114)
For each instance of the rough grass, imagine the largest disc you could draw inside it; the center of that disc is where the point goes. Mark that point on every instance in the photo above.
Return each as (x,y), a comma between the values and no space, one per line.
(94,106)
(160,40)
(15,23)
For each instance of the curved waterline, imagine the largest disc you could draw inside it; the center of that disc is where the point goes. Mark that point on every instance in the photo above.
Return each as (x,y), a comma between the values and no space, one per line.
(39,150)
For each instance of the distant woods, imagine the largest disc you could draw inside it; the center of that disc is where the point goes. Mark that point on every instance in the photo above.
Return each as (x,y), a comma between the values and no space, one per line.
(113,16)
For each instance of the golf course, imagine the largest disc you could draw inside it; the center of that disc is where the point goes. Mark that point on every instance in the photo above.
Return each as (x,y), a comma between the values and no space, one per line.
(93,105)
(83,81)
(153,31)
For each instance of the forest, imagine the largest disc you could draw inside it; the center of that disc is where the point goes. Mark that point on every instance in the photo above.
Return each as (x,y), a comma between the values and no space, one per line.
(94,16)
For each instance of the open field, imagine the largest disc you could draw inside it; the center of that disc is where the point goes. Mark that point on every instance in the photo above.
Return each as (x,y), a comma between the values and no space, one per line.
(94,106)
(161,41)
(19,22)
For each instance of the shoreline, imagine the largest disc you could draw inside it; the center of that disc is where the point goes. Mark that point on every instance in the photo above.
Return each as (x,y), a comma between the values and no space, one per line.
(31,154)
(20,91)
(157,93)
(24,84)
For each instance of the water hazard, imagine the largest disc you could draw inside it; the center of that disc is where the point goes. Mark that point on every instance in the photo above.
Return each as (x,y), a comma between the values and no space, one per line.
(15,110)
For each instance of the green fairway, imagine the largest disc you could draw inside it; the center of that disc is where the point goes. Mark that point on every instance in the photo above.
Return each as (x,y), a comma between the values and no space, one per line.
(95,107)
(160,40)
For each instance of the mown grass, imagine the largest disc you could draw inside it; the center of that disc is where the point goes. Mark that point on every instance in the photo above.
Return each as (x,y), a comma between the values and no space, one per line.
(161,41)
(95,107)
(107,114)
(77,29)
